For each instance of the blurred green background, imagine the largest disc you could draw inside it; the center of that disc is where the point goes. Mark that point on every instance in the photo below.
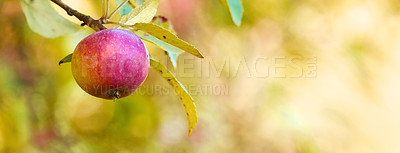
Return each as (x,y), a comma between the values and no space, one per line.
(304,76)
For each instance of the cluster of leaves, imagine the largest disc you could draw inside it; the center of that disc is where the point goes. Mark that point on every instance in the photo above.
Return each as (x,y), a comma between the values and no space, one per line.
(140,18)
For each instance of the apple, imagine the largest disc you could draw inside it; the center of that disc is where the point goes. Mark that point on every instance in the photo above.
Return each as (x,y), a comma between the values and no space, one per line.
(110,64)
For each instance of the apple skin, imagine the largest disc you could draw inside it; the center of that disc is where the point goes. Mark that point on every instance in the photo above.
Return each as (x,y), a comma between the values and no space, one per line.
(110,64)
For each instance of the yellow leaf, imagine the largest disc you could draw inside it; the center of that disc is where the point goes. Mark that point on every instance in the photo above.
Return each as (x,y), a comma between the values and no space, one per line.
(183,94)
(142,13)
(43,19)
(168,37)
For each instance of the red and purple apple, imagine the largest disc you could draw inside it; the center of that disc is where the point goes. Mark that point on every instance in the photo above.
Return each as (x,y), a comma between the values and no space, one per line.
(110,64)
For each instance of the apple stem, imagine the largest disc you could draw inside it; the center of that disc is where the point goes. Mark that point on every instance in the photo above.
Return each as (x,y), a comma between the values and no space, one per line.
(115,95)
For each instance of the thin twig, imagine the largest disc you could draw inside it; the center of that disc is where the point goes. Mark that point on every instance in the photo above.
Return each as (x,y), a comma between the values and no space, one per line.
(108,8)
(122,25)
(87,20)
(116,10)
(133,4)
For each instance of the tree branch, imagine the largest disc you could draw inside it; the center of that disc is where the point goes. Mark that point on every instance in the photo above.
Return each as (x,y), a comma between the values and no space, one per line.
(97,25)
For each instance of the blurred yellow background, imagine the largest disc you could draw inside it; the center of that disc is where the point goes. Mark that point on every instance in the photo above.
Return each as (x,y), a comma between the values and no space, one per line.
(297,76)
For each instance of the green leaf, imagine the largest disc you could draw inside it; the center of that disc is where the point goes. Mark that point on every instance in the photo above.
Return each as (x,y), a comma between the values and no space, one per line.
(44,20)
(168,37)
(183,94)
(173,57)
(125,9)
(66,59)
(142,13)
(235,10)
(163,45)
(173,52)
